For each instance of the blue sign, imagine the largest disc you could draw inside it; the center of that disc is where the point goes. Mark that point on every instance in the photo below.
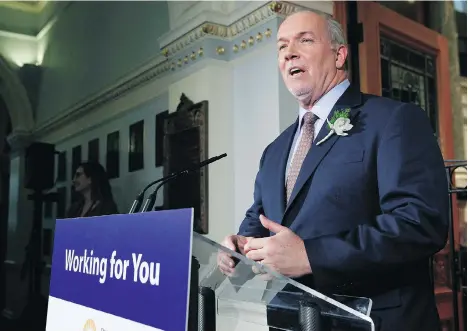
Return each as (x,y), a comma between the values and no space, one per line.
(121,272)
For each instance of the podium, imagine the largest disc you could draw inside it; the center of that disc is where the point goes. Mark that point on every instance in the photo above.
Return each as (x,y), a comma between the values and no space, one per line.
(247,295)
(151,272)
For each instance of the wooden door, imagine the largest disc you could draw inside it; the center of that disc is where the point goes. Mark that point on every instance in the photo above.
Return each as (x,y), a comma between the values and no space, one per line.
(402,59)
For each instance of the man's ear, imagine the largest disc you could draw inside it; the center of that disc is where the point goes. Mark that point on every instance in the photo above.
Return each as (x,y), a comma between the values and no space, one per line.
(341,56)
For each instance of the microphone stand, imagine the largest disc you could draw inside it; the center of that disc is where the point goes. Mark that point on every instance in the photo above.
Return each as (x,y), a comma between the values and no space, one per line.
(149,203)
(202,312)
(138,201)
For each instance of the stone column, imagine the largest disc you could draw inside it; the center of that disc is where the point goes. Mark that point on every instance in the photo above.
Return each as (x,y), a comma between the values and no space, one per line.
(19,227)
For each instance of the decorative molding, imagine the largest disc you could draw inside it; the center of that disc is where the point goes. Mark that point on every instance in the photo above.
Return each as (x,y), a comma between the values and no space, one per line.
(156,69)
(107,112)
(207,41)
(135,80)
(261,15)
(186,16)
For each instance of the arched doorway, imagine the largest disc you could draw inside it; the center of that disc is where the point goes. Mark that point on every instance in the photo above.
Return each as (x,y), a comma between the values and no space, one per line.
(16,125)
(15,98)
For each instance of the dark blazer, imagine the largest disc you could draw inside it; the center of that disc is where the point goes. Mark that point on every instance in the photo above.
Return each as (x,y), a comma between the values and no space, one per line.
(107,207)
(371,207)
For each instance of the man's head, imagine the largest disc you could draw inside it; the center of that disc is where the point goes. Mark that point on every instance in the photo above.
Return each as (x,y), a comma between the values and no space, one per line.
(312,55)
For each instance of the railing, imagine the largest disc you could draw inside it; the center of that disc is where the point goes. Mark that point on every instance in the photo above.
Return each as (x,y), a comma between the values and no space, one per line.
(456,269)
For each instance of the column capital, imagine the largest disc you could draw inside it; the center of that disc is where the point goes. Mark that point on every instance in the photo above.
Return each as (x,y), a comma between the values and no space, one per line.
(224,31)
(185,16)
(19,140)
(191,22)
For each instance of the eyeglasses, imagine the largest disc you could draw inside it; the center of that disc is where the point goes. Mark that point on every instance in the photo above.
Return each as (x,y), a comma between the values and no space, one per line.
(78,174)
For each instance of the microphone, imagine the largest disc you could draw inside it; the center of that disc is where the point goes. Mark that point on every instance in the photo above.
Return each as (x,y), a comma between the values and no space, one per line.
(149,203)
(151,199)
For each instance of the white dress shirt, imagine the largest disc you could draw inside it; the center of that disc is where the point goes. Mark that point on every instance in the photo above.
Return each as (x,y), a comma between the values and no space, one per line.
(322,109)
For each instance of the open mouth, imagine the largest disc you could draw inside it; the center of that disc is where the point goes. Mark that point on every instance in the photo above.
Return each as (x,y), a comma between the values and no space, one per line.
(295,71)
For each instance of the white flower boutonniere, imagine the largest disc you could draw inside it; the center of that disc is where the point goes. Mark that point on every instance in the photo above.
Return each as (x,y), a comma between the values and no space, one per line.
(339,124)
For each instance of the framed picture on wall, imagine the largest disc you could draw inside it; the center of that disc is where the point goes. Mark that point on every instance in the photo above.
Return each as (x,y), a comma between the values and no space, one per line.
(113,155)
(135,153)
(93,150)
(186,145)
(62,167)
(76,159)
(159,138)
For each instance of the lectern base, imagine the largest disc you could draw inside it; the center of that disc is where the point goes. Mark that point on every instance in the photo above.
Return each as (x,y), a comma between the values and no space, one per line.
(307,318)
(245,297)
(310,318)
(206,309)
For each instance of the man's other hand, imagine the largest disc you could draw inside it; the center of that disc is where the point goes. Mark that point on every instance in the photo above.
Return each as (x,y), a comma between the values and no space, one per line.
(225,261)
(283,252)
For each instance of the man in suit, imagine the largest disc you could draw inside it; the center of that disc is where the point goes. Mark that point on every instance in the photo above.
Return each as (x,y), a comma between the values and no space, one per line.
(358,210)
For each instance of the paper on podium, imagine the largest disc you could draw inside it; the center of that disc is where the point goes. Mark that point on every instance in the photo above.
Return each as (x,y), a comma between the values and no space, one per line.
(246,295)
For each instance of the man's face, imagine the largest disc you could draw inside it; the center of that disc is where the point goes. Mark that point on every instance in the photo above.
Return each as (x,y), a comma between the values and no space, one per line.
(306,58)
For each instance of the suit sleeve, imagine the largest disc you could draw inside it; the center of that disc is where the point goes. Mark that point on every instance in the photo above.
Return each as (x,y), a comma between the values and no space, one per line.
(251,226)
(413,198)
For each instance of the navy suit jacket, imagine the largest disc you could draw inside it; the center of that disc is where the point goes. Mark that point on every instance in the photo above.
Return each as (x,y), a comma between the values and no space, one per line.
(371,207)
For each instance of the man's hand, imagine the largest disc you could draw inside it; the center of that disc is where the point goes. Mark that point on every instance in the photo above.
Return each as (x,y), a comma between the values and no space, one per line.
(283,252)
(235,243)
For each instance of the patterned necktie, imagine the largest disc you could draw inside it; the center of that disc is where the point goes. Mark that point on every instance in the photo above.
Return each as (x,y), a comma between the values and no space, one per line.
(302,149)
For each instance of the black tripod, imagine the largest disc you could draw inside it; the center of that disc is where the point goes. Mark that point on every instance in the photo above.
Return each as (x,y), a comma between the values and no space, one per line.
(34,314)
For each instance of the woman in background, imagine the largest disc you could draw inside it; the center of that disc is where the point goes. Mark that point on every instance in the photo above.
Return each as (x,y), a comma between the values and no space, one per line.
(94,192)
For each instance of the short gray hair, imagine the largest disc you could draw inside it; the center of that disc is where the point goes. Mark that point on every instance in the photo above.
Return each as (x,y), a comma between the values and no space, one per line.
(335,30)
(336,35)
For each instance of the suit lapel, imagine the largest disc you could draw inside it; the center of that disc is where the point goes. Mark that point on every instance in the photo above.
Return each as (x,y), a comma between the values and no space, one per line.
(350,99)
(280,159)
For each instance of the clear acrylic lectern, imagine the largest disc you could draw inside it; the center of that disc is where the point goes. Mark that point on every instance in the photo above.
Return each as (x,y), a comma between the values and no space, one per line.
(247,295)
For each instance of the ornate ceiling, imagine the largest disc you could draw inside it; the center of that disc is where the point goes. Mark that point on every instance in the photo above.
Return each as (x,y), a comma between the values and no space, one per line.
(22,25)
(27,6)
(25,17)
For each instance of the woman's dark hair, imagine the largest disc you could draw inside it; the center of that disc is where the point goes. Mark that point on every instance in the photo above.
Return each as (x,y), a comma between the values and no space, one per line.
(100,187)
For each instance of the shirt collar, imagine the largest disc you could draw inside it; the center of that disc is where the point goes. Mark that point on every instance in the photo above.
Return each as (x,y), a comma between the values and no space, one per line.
(325,104)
